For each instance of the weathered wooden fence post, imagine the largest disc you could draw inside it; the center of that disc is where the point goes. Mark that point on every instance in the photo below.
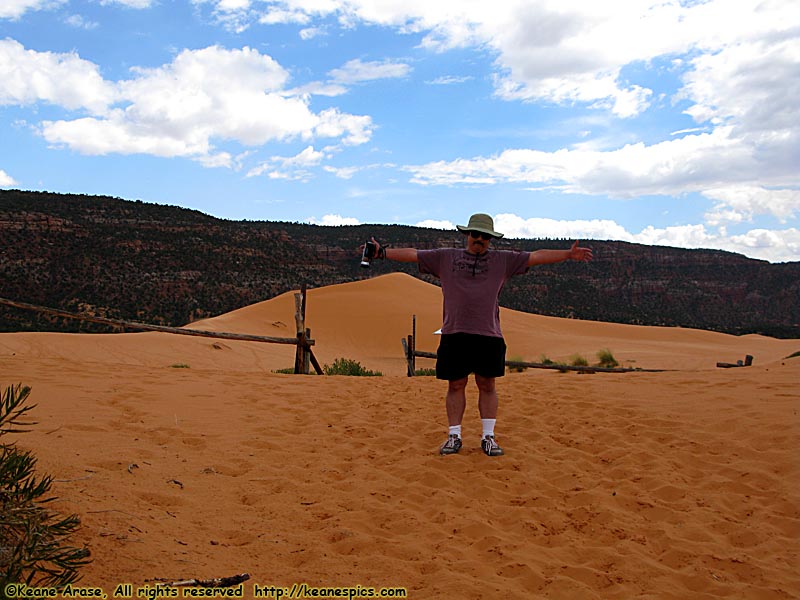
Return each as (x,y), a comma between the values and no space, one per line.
(410,349)
(300,360)
(306,353)
(414,345)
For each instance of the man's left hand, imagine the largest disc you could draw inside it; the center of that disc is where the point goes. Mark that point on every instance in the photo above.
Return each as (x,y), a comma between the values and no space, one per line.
(580,254)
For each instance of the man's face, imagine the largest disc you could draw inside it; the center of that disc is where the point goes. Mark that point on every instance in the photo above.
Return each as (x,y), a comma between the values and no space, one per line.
(477,242)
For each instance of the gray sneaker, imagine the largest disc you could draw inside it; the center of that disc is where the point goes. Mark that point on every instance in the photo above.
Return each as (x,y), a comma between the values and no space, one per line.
(490,447)
(451,446)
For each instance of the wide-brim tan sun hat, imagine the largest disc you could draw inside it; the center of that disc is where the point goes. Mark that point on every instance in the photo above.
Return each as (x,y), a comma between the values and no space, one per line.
(480,222)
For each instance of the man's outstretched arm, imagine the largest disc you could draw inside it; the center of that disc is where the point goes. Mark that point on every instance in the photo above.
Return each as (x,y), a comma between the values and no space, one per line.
(546,257)
(398,254)
(402,254)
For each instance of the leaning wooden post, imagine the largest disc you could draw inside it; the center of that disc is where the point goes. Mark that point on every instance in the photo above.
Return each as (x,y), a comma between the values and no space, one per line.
(313,359)
(414,345)
(306,353)
(300,322)
(409,356)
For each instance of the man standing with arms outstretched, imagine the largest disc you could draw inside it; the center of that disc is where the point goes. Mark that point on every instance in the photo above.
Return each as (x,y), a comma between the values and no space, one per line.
(472,341)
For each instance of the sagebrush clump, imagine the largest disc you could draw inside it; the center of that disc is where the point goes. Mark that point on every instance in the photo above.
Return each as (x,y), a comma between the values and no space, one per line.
(577,360)
(33,539)
(606,359)
(346,366)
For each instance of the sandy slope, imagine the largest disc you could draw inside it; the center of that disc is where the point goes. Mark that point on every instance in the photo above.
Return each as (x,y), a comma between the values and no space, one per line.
(682,484)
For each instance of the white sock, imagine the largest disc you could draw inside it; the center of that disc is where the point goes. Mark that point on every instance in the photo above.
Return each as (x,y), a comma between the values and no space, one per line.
(455,430)
(488,426)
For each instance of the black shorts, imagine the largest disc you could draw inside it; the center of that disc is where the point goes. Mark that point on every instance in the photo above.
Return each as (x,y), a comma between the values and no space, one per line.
(460,354)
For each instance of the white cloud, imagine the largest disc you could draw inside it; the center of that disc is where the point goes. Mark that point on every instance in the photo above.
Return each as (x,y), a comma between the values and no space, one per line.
(434,224)
(117,134)
(6,180)
(334,220)
(772,245)
(318,88)
(667,167)
(352,72)
(292,167)
(79,22)
(450,80)
(566,50)
(694,163)
(513,226)
(343,172)
(137,4)
(219,160)
(333,123)
(775,246)
(573,52)
(61,79)
(233,5)
(183,108)
(14,9)
(356,71)
(308,157)
(688,130)
(751,86)
(311,32)
(274,17)
(741,57)
(742,203)
(233,94)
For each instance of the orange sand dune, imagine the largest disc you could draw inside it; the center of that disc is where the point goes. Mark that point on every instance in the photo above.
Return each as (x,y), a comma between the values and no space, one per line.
(682,484)
(366,321)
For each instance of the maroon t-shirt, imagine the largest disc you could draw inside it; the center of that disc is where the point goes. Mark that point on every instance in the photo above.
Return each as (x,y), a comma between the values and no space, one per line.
(471,285)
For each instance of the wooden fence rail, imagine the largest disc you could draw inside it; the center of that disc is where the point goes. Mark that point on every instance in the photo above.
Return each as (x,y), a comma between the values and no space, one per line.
(302,340)
(411,353)
(534,365)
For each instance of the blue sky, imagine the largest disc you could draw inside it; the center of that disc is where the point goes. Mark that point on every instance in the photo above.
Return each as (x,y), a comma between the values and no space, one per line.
(661,122)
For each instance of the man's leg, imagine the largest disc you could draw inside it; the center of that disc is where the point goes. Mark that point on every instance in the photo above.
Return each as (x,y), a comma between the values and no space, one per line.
(487,405)
(455,403)
(487,397)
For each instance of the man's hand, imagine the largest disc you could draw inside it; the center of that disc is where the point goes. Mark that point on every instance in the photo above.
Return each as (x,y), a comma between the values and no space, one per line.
(398,254)
(580,254)
(377,247)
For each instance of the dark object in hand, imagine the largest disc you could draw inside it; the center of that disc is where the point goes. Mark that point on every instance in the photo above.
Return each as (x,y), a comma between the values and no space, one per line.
(368,254)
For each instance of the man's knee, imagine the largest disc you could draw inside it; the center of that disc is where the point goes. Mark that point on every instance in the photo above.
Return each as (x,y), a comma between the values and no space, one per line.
(485,384)
(457,385)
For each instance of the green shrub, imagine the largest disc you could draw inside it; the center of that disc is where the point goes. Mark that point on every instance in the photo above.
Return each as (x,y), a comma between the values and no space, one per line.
(346,366)
(578,361)
(516,368)
(32,538)
(606,359)
(286,371)
(425,372)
